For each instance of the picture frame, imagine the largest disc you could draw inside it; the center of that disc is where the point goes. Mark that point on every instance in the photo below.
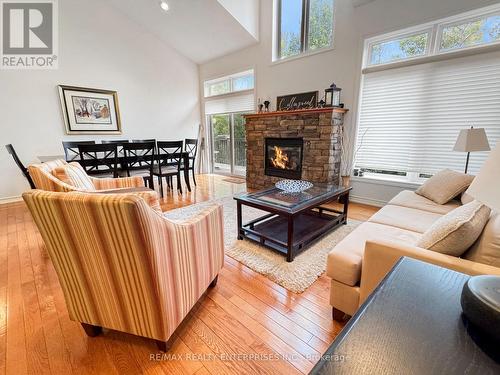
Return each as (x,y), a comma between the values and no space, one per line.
(90,111)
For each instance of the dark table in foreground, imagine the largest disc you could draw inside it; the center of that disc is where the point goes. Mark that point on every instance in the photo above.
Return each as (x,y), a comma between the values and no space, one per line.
(411,324)
(294,220)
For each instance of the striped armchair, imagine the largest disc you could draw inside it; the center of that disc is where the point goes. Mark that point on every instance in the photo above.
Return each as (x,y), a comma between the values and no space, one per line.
(44,177)
(122,265)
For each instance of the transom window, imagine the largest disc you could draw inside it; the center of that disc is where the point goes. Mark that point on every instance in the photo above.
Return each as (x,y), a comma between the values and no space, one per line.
(303,26)
(228,84)
(399,49)
(471,33)
(468,30)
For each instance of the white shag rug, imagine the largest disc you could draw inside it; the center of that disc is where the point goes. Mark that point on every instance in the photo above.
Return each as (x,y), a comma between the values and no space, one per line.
(295,276)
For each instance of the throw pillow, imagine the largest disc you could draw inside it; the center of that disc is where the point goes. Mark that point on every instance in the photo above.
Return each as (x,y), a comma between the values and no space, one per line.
(444,186)
(455,232)
(74,176)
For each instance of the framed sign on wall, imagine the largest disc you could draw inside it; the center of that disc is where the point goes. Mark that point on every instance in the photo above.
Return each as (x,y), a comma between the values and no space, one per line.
(297,101)
(90,111)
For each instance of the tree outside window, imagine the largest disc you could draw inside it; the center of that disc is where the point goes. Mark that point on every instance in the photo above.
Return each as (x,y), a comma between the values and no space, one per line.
(304,25)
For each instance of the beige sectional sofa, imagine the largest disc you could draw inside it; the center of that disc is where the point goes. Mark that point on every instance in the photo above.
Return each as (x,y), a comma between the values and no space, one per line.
(358,263)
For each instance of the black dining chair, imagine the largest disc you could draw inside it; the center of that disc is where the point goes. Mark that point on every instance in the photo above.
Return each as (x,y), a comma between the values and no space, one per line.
(71,152)
(99,159)
(143,140)
(191,147)
(140,157)
(24,170)
(169,158)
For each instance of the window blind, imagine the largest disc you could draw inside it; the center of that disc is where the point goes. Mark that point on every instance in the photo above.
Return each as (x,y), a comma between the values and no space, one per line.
(229,104)
(410,117)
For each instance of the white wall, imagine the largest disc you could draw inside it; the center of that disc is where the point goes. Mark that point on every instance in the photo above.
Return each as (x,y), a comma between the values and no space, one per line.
(100,48)
(246,12)
(341,65)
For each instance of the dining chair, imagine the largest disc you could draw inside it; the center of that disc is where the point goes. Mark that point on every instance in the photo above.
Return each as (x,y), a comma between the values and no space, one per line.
(140,157)
(169,158)
(71,152)
(143,140)
(191,147)
(99,158)
(20,165)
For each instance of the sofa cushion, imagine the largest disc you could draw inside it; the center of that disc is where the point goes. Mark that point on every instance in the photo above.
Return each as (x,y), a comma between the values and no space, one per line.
(456,231)
(412,200)
(466,198)
(405,218)
(74,176)
(445,185)
(344,261)
(487,247)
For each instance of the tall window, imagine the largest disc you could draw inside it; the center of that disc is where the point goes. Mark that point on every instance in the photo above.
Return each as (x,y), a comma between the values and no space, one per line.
(410,116)
(227,99)
(303,25)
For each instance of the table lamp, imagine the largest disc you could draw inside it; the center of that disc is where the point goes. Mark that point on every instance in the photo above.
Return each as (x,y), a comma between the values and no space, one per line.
(471,140)
(481,294)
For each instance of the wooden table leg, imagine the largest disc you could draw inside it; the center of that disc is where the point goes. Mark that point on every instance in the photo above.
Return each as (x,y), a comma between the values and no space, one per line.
(240,221)
(346,206)
(289,253)
(186,170)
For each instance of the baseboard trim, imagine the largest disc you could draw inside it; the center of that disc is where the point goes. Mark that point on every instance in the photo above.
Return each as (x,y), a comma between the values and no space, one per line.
(11,199)
(368,201)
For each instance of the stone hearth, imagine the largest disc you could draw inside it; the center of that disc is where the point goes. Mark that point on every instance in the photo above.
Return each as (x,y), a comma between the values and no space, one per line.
(319,130)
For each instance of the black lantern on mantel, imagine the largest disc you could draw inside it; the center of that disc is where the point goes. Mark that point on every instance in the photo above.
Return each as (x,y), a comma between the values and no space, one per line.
(332,96)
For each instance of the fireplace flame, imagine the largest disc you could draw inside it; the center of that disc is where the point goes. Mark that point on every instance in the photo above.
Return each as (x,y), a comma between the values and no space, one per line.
(280,159)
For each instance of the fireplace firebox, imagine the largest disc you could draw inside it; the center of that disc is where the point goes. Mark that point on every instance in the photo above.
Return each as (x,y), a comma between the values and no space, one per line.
(283,157)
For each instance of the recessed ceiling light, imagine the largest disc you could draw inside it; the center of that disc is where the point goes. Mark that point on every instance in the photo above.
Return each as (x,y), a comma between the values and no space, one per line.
(164,5)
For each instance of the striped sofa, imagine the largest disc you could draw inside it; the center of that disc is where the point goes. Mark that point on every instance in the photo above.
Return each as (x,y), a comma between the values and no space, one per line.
(45,179)
(124,266)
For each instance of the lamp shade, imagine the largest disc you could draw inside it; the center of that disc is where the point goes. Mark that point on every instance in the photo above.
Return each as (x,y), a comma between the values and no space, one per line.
(484,188)
(470,140)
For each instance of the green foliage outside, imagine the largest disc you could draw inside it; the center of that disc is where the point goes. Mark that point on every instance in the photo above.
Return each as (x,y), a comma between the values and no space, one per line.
(320,24)
(471,33)
(220,125)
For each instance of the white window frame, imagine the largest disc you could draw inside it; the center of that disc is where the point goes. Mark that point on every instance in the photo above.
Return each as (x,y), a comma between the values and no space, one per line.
(434,41)
(305,51)
(372,43)
(229,78)
(460,21)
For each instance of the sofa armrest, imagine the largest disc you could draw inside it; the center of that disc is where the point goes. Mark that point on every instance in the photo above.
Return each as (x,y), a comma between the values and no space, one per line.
(116,183)
(380,257)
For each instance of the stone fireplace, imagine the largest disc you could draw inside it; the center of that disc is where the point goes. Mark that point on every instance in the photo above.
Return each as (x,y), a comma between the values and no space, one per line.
(301,144)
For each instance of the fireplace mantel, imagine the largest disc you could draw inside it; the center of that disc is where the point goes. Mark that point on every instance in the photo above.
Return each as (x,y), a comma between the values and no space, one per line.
(318,128)
(296,112)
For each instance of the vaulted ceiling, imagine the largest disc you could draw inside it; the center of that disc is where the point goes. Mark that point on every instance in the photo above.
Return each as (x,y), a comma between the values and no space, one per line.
(199,29)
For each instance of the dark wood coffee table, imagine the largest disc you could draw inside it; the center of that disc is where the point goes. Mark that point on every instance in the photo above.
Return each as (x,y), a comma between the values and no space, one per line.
(412,323)
(294,220)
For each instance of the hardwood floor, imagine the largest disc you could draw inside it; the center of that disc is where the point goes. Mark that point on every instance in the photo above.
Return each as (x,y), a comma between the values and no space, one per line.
(245,325)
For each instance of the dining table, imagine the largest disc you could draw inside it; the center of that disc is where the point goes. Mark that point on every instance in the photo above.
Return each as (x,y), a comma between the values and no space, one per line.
(123,161)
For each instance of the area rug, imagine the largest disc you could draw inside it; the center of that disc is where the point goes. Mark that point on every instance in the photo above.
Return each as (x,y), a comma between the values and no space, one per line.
(235,180)
(296,276)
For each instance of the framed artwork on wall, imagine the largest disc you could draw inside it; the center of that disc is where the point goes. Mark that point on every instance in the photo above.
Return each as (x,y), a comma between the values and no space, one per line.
(90,111)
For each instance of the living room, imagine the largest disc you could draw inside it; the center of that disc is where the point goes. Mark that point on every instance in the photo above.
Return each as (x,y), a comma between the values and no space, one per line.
(252,186)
